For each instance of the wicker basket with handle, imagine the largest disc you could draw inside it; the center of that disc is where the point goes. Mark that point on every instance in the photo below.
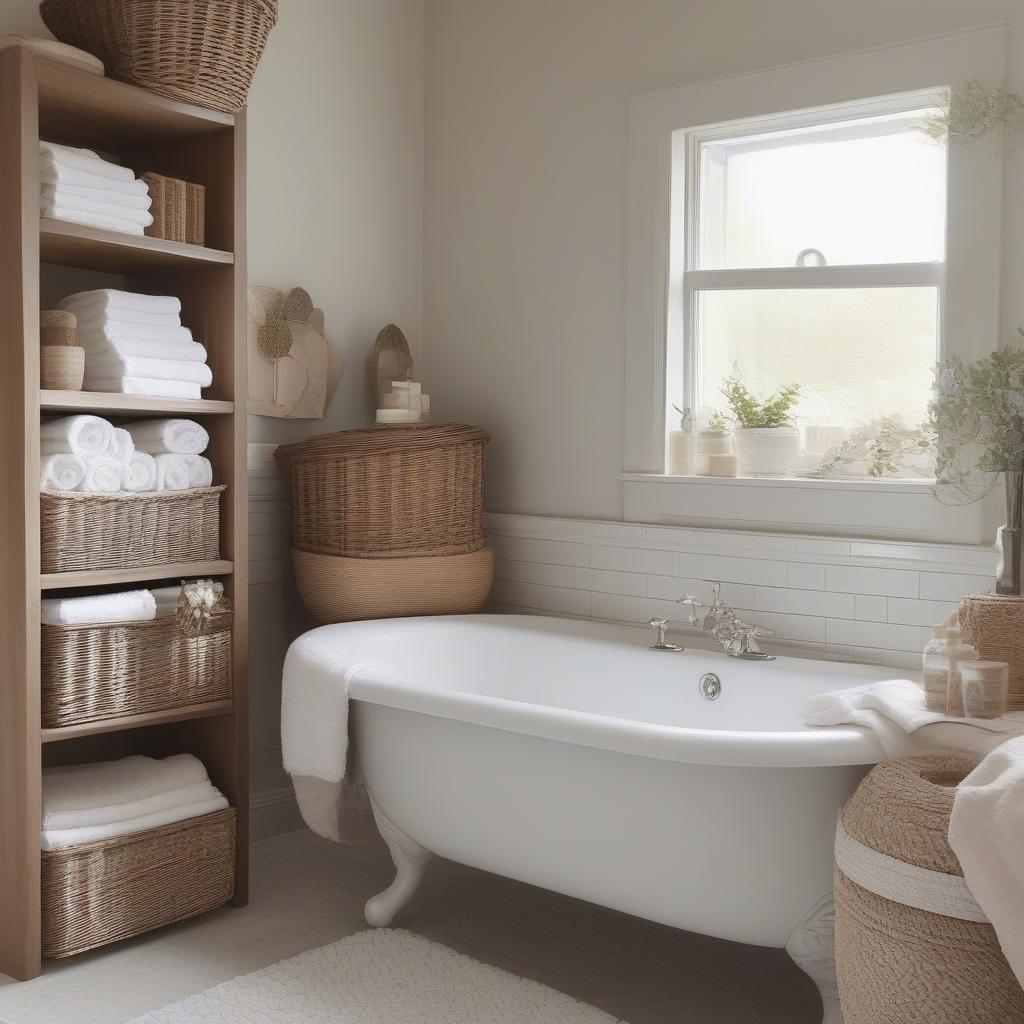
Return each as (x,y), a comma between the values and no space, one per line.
(200,51)
(115,888)
(108,531)
(94,672)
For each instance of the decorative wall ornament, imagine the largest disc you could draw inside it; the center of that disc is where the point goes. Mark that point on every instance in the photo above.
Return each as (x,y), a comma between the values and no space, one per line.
(292,368)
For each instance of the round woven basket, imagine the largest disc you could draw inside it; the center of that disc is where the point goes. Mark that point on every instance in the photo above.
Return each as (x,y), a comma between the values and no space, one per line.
(61,368)
(200,51)
(343,589)
(898,964)
(996,623)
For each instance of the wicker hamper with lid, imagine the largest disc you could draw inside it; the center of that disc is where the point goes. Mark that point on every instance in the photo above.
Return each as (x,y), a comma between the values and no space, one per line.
(912,945)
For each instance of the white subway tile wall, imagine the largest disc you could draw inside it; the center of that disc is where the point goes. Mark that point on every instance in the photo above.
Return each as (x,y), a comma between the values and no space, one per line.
(863,601)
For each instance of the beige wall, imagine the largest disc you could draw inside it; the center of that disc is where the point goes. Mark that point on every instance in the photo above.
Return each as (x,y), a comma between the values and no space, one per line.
(525,229)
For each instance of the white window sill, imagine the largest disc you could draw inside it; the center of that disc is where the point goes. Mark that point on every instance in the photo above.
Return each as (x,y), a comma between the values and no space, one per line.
(909,486)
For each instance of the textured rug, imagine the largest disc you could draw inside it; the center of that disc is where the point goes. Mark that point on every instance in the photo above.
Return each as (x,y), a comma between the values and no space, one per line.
(385,976)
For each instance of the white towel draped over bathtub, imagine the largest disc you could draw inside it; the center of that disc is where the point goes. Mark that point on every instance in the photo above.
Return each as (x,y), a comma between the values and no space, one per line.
(315,742)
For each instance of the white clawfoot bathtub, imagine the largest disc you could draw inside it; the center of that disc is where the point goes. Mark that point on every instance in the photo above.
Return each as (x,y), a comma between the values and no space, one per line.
(566,754)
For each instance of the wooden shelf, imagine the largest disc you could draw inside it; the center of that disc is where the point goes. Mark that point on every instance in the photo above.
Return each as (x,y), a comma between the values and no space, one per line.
(107,577)
(185,714)
(130,405)
(75,245)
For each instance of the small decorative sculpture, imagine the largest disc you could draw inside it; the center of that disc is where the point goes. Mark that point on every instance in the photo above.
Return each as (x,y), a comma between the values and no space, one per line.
(392,359)
(198,602)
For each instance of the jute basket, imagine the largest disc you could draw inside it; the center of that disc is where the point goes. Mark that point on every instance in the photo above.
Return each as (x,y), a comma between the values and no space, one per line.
(200,51)
(58,327)
(392,492)
(94,672)
(108,531)
(116,888)
(343,589)
(899,964)
(61,367)
(996,623)
(178,209)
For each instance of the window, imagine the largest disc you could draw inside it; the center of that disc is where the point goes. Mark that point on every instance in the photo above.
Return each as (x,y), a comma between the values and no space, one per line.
(814,256)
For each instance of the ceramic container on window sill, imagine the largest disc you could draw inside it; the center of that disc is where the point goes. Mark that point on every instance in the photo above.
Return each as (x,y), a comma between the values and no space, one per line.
(711,442)
(767,451)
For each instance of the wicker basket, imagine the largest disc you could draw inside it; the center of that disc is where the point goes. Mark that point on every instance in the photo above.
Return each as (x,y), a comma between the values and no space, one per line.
(996,623)
(179,209)
(61,367)
(116,888)
(200,51)
(392,492)
(109,670)
(106,531)
(343,589)
(897,963)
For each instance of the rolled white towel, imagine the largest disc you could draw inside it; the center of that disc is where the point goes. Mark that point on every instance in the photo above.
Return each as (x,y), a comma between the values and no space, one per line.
(84,435)
(55,155)
(90,220)
(115,299)
(171,472)
(61,471)
(184,437)
(96,332)
(128,201)
(57,199)
(166,600)
(89,817)
(60,174)
(125,606)
(121,348)
(140,474)
(200,472)
(123,447)
(103,475)
(146,386)
(103,367)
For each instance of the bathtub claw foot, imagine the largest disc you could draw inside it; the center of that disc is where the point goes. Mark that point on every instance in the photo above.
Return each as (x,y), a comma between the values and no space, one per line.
(410,862)
(812,946)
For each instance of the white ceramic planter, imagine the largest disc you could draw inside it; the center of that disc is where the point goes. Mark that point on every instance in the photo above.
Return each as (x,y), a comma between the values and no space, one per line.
(711,442)
(767,451)
(681,453)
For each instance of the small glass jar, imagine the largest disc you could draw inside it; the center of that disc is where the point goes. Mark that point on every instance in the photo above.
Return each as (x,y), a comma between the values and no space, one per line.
(960,655)
(986,688)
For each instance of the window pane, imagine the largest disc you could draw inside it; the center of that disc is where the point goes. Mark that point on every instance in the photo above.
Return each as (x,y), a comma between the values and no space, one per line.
(858,354)
(864,191)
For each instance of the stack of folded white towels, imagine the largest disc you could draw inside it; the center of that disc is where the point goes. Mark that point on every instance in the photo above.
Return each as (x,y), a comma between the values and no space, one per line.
(135,344)
(79,186)
(84,803)
(87,453)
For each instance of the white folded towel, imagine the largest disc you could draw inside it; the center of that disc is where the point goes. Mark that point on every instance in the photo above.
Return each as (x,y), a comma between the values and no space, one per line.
(48,204)
(171,472)
(55,155)
(114,299)
(123,447)
(166,600)
(108,332)
(103,475)
(104,367)
(146,386)
(61,175)
(986,832)
(58,193)
(95,317)
(84,435)
(120,348)
(82,786)
(200,472)
(91,220)
(61,471)
(184,437)
(183,796)
(125,606)
(140,474)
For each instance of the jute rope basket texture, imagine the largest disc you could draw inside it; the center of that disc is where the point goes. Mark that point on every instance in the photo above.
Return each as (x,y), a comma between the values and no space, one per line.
(94,672)
(200,51)
(996,623)
(116,888)
(108,531)
(897,964)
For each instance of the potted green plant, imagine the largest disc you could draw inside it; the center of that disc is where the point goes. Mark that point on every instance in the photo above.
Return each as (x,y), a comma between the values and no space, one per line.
(767,441)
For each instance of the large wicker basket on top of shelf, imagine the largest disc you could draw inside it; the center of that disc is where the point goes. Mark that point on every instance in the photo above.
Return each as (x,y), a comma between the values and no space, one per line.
(109,531)
(200,51)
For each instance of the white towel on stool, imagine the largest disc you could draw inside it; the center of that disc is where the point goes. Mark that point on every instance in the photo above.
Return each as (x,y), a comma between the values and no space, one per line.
(140,474)
(183,437)
(171,472)
(84,435)
(61,471)
(103,475)
(125,606)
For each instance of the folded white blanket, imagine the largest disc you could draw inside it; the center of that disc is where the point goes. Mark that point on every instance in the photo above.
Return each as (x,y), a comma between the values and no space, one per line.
(895,712)
(200,472)
(114,299)
(986,833)
(61,471)
(184,796)
(140,473)
(125,606)
(90,334)
(57,198)
(145,386)
(58,193)
(166,600)
(121,348)
(171,472)
(84,435)
(91,220)
(81,786)
(102,367)
(185,437)
(103,475)
(123,447)
(60,174)
(53,154)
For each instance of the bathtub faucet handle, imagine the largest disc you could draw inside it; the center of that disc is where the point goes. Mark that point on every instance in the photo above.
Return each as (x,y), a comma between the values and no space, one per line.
(659,626)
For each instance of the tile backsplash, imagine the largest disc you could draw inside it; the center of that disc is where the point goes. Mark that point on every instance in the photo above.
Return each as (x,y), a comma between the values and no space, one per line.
(832,598)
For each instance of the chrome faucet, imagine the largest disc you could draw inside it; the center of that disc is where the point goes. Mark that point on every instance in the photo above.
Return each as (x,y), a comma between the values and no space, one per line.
(738,638)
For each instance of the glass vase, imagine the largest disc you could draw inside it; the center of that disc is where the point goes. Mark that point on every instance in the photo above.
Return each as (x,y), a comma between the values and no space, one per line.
(1008,538)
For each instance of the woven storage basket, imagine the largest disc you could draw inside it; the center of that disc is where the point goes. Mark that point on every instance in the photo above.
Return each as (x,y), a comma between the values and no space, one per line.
(109,670)
(61,367)
(997,627)
(107,531)
(897,964)
(342,589)
(178,209)
(200,51)
(392,492)
(116,888)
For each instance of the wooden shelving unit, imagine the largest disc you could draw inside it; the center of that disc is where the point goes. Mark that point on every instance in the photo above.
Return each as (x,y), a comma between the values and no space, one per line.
(43,99)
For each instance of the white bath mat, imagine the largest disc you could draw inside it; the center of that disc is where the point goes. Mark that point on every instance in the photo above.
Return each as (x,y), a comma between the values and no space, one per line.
(384,976)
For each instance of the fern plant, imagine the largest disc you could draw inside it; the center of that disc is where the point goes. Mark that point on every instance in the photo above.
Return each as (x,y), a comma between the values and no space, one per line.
(753,413)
